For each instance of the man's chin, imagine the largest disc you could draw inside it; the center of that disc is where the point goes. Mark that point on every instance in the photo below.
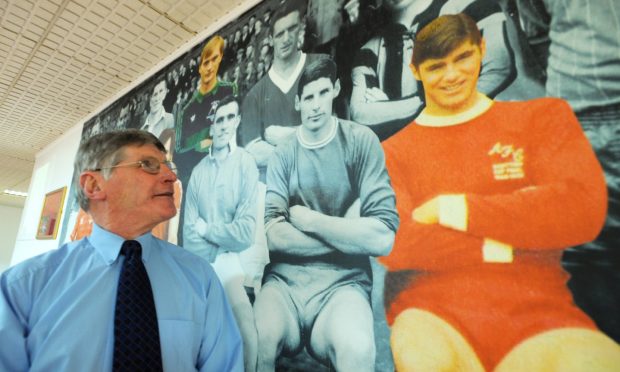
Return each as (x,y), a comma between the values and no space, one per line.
(165,217)
(171,212)
(168,210)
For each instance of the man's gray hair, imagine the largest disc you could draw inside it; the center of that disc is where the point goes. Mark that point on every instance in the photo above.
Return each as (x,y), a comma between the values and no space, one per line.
(106,150)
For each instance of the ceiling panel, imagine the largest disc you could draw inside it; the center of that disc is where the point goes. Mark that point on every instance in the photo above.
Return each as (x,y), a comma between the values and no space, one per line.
(61,59)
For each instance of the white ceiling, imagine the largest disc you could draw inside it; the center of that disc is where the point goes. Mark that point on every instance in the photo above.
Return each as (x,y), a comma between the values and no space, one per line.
(62,59)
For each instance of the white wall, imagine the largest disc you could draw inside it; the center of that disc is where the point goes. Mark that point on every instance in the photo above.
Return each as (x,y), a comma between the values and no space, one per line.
(53,169)
(10,217)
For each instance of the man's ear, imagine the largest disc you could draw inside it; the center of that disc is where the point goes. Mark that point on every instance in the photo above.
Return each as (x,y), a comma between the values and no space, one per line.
(92,185)
(296,103)
(237,122)
(416,74)
(336,88)
(483,47)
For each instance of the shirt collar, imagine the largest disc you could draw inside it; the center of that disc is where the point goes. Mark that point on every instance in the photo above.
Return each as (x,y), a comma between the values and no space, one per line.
(108,244)
(315,145)
(199,96)
(285,83)
(147,123)
(482,105)
(232,146)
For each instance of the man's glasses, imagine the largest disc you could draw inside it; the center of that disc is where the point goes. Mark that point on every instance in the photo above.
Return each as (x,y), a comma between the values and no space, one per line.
(149,165)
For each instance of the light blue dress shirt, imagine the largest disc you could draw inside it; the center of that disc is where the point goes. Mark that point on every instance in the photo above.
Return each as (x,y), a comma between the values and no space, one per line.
(57,309)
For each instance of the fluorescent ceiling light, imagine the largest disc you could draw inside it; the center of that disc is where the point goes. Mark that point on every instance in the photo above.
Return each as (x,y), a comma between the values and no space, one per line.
(16,193)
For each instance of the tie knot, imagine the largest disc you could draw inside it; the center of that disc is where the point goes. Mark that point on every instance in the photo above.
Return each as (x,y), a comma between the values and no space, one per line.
(131,249)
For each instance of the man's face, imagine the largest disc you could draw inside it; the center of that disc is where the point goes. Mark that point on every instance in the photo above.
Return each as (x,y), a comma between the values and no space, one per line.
(139,197)
(209,66)
(315,103)
(225,123)
(244,31)
(285,36)
(450,82)
(158,95)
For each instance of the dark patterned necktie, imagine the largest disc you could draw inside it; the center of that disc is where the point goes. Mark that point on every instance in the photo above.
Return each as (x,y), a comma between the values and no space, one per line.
(136,334)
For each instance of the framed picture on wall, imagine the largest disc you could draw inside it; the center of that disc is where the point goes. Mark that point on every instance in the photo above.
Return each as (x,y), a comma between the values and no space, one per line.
(50,214)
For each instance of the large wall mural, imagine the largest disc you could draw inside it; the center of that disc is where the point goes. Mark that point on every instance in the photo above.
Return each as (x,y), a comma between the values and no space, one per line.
(302,291)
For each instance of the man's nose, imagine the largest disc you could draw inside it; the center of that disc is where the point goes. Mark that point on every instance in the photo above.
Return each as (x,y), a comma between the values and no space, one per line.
(451,72)
(168,173)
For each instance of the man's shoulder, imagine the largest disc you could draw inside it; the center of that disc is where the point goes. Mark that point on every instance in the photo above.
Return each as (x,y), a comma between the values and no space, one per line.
(170,249)
(202,164)
(183,258)
(241,160)
(193,273)
(284,154)
(288,146)
(239,155)
(533,106)
(227,87)
(245,157)
(45,264)
(258,89)
(227,84)
(357,131)
(193,101)
(401,139)
(547,101)
(311,57)
(168,116)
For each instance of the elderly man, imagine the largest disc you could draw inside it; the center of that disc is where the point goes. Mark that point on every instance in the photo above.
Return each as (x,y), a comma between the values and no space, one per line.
(490,193)
(120,299)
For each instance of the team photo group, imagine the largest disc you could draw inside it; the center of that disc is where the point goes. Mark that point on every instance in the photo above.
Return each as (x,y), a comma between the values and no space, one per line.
(394,184)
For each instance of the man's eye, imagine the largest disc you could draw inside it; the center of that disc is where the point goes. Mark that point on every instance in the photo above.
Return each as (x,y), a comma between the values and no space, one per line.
(150,163)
